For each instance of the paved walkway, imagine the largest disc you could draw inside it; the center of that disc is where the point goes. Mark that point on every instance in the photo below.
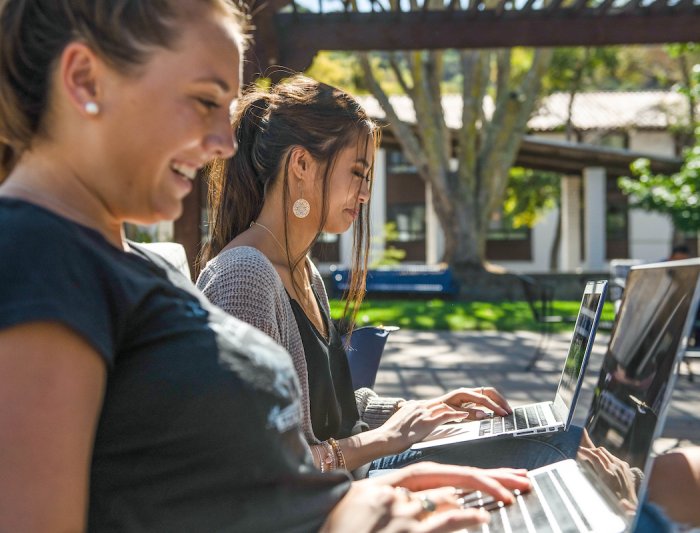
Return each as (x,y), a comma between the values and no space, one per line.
(418,364)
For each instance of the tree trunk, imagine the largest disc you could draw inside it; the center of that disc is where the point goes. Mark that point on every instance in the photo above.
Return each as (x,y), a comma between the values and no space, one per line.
(485,147)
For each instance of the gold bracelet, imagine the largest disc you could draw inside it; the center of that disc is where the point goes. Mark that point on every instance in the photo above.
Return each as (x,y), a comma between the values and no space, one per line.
(338,453)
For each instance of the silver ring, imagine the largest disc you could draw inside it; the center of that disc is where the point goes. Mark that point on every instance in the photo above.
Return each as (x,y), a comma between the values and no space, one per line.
(405,493)
(427,504)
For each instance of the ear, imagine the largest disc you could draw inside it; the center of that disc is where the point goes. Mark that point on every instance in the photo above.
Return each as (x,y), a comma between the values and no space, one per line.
(79,72)
(302,166)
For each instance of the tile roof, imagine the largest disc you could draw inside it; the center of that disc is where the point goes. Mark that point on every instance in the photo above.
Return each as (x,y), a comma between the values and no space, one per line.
(592,111)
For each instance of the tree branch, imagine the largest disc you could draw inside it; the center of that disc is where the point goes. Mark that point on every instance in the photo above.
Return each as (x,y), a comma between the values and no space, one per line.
(434,71)
(394,61)
(510,126)
(410,144)
(430,117)
(474,84)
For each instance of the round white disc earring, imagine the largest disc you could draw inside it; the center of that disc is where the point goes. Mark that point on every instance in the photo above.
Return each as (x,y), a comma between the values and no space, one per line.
(91,108)
(301,207)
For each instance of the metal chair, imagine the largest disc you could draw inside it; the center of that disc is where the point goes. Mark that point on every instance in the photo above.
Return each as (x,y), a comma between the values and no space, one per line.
(539,297)
(172,252)
(365,352)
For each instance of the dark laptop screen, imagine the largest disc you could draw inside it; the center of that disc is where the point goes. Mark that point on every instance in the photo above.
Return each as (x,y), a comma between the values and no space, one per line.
(637,371)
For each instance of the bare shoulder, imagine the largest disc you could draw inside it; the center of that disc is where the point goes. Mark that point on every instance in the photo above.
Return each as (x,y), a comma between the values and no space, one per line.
(51,386)
(48,349)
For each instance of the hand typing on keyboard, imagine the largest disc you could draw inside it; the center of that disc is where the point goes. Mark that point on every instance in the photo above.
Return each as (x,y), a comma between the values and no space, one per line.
(478,403)
(414,420)
(425,498)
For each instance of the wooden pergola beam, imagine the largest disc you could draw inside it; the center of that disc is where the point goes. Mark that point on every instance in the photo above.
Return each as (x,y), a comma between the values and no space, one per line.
(436,30)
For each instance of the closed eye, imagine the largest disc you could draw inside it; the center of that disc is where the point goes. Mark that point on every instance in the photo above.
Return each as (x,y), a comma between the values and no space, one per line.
(208,104)
(362,176)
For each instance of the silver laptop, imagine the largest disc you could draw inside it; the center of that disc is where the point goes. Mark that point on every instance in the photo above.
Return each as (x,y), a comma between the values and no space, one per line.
(542,417)
(626,415)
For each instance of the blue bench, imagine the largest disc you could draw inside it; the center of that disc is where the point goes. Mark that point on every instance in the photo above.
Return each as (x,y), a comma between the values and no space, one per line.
(421,280)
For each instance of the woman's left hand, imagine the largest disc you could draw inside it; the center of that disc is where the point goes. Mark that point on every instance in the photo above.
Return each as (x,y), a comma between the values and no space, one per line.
(466,400)
(422,498)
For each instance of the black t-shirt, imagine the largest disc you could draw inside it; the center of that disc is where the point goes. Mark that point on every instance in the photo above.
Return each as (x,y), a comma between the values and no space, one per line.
(199,430)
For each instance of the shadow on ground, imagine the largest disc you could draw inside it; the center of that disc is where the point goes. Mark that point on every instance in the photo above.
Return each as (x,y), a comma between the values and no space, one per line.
(421,364)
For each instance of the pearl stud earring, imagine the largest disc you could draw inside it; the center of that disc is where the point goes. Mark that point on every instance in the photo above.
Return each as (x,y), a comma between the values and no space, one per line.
(91,108)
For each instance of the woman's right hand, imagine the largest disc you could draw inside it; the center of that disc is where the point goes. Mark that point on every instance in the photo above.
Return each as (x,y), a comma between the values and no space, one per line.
(423,498)
(415,420)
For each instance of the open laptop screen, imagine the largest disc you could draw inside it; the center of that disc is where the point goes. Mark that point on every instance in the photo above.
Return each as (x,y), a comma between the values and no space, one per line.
(636,378)
(583,335)
(647,341)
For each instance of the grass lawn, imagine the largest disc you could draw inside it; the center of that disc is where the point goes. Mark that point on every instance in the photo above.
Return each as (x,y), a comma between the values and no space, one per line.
(457,316)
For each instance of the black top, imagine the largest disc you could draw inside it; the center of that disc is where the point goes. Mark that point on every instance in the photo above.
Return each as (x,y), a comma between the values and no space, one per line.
(200,426)
(331,397)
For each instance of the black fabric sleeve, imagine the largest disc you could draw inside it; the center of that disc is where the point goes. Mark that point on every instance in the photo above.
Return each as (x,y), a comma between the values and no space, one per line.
(48,273)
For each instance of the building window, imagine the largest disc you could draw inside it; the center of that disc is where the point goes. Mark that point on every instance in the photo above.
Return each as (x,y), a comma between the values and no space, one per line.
(502,228)
(608,139)
(397,162)
(409,220)
(616,222)
(327,248)
(505,242)
(405,207)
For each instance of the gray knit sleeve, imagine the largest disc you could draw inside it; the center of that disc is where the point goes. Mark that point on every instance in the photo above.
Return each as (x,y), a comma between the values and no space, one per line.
(245,285)
(374,409)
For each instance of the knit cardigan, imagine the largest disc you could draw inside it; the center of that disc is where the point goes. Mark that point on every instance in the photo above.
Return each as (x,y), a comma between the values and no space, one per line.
(244,283)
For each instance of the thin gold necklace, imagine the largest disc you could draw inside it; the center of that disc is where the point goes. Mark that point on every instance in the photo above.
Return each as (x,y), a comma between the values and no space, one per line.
(284,251)
(306,285)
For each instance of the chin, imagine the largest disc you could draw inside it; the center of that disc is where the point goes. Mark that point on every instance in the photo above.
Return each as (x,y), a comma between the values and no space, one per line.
(172,214)
(339,230)
(163,212)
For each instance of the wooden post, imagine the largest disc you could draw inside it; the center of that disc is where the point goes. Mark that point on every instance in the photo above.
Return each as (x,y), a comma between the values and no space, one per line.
(188,230)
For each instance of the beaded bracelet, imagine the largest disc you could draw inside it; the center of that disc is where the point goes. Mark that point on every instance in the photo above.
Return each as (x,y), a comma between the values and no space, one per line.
(315,457)
(338,453)
(330,459)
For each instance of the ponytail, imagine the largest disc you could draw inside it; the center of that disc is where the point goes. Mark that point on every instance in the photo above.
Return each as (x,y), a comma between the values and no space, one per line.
(237,186)
(268,125)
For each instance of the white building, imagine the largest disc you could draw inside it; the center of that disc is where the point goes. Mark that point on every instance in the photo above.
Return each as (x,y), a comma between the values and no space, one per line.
(596,225)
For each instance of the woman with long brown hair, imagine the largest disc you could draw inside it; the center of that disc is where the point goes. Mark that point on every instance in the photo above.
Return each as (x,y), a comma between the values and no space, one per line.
(304,166)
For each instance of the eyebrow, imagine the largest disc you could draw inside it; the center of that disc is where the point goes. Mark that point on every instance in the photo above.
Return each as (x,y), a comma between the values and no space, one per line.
(217,81)
(363,161)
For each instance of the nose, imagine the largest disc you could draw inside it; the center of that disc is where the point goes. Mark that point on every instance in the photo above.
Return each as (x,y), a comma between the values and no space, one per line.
(220,142)
(364,195)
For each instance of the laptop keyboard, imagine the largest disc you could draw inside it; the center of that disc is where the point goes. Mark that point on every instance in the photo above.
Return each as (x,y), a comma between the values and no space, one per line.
(546,509)
(532,416)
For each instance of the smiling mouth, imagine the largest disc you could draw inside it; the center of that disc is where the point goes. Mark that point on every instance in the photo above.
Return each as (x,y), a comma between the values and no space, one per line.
(184,170)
